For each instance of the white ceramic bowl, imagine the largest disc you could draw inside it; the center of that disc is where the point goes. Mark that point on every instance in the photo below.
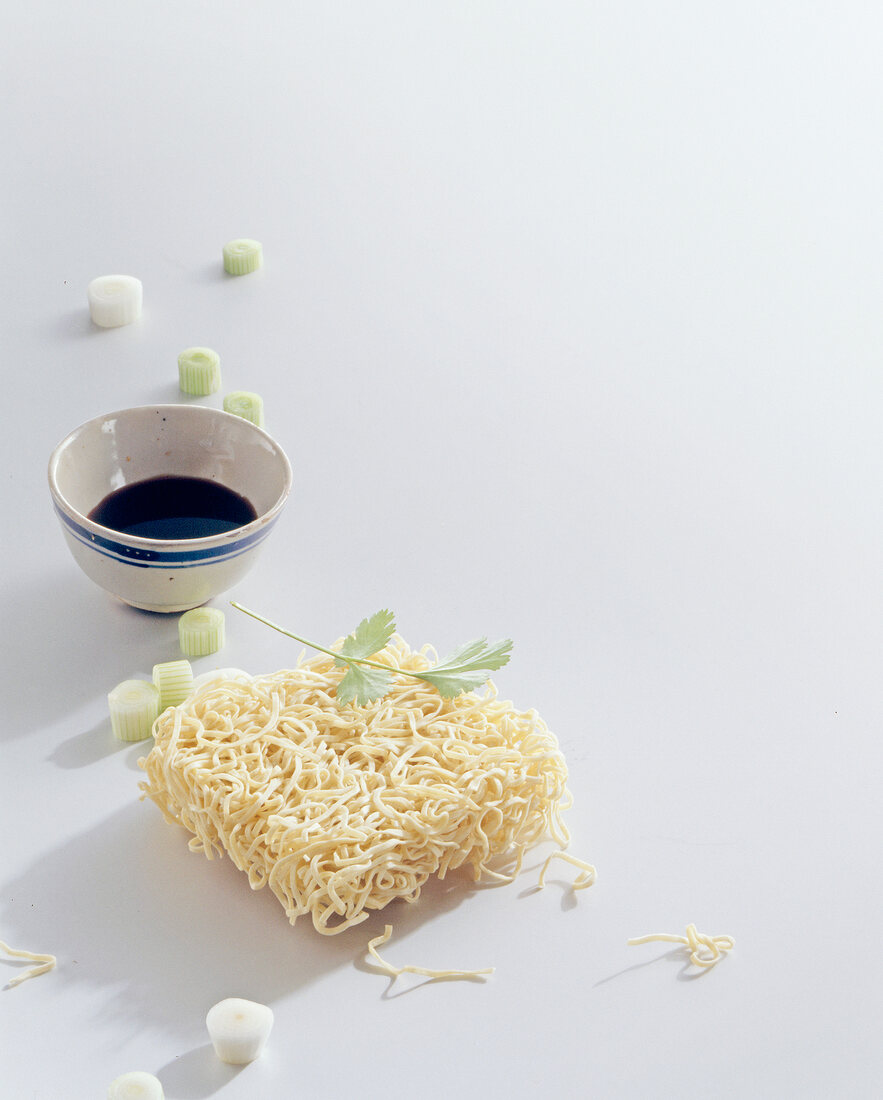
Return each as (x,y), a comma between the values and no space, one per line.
(131,445)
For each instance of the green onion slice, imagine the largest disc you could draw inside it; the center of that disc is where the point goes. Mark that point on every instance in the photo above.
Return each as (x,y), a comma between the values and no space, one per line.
(114,300)
(242,256)
(134,706)
(140,1085)
(250,406)
(199,371)
(174,681)
(201,631)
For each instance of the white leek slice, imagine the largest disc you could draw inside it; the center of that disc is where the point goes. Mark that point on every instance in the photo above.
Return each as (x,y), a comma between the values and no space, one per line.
(174,681)
(201,631)
(238,1029)
(199,371)
(114,300)
(134,706)
(135,1086)
(242,256)
(250,406)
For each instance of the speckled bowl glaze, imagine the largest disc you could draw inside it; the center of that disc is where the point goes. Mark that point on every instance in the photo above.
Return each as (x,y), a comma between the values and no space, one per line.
(122,447)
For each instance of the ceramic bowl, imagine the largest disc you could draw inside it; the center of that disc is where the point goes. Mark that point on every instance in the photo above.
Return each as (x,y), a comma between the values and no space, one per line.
(132,445)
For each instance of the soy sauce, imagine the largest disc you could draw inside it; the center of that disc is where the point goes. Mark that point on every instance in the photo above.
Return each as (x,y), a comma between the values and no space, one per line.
(171,507)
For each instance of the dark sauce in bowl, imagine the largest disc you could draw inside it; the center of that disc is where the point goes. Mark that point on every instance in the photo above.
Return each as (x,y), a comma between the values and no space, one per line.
(172,507)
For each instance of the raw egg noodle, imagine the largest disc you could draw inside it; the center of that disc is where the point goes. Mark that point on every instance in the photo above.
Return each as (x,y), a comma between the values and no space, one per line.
(47,963)
(704,950)
(342,809)
(583,880)
(397,971)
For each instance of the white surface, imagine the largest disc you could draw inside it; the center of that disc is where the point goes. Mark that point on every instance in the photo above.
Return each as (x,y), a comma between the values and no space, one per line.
(570,323)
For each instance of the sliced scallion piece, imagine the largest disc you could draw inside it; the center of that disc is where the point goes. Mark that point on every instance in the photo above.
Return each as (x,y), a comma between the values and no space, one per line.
(134,707)
(114,300)
(242,256)
(250,406)
(199,371)
(201,631)
(239,1029)
(174,681)
(135,1086)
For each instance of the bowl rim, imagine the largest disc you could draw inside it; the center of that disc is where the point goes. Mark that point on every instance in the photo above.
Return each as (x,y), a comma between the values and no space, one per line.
(224,538)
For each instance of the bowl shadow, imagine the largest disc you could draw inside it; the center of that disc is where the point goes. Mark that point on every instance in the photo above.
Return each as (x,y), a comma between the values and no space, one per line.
(107,634)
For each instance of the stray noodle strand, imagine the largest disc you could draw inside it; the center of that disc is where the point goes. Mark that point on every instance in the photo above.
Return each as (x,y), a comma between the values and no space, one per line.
(586,878)
(47,961)
(705,950)
(395,971)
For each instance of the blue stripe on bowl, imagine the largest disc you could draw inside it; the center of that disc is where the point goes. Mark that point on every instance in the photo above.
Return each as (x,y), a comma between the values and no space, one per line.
(162,559)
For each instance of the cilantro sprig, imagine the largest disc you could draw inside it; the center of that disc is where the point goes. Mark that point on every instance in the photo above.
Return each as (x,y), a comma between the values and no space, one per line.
(365,680)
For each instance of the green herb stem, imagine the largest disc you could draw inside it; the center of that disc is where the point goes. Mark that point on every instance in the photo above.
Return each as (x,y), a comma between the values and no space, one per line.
(321,648)
(463,670)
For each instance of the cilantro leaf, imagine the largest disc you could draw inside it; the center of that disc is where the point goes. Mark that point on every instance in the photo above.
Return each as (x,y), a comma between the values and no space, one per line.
(362,684)
(464,669)
(467,667)
(369,637)
(449,684)
(476,655)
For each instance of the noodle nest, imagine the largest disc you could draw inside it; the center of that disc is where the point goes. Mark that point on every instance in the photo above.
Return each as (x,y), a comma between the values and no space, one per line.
(342,809)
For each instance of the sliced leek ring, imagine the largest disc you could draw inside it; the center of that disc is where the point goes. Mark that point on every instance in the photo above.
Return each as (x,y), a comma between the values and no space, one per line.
(199,371)
(250,406)
(134,707)
(135,1086)
(242,256)
(201,631)
(239,1029)
(114,300)
(174,682)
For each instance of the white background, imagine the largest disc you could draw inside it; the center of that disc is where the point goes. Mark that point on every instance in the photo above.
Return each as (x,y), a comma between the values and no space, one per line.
(570,322)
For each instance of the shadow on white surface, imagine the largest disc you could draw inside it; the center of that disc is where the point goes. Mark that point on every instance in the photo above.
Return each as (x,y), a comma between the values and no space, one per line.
(75,322)
(687,973)
(197,1074)
(89,747)
(99,632)
(404,984)
(207,273)
(437,897)
(569,900)
(163,933)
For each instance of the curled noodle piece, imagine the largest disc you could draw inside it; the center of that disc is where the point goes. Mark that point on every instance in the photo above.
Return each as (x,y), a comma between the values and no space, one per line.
(395,971)
(705,950)
(47,963)
(587,876)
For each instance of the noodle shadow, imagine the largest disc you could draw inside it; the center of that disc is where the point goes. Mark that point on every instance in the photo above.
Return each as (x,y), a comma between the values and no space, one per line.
(165,933)
(420,981)
(128,909)
(687,972)
(569,899)
(110,636)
